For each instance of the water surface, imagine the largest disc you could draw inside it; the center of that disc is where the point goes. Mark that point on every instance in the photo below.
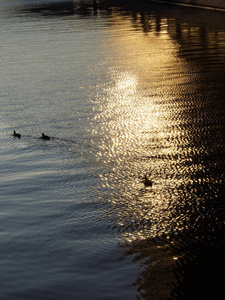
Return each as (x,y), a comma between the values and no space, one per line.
(123,91)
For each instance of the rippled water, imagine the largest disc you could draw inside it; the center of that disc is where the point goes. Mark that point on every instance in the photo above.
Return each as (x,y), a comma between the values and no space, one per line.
(124,91)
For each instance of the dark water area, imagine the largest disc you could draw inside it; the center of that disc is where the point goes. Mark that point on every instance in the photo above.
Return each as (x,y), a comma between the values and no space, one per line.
(124,89)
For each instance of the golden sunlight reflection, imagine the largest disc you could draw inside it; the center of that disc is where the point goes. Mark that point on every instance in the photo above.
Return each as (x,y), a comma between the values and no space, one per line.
(139,118)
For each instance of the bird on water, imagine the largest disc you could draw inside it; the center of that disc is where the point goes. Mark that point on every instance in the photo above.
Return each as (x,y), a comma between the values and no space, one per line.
(44,137)
(147,181)
(16,134)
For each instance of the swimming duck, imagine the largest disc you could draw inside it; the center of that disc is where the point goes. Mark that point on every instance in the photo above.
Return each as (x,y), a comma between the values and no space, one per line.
(147,181)
(44,137)
(16,134)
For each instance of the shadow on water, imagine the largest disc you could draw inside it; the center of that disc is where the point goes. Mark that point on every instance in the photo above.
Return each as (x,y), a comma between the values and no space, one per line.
(59,9)
(63,8)
(176,229)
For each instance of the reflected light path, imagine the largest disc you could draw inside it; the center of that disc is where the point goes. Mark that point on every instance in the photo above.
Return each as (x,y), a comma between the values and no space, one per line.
(160,112)
(138,116)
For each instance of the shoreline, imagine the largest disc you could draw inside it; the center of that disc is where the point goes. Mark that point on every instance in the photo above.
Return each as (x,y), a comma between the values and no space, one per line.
(203,4)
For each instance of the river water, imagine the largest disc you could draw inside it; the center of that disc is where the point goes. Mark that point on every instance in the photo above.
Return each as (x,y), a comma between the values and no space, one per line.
(123,90)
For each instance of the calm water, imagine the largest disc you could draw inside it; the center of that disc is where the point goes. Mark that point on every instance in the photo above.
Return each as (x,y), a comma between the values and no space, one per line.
(123,91)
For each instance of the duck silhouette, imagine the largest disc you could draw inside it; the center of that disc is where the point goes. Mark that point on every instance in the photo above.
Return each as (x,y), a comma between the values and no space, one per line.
(147,181)
(45,137)
(16,134)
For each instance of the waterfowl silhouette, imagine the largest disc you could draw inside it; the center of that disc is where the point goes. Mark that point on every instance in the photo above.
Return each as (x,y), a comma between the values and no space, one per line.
(44,137)
(147,181)
(16,134)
